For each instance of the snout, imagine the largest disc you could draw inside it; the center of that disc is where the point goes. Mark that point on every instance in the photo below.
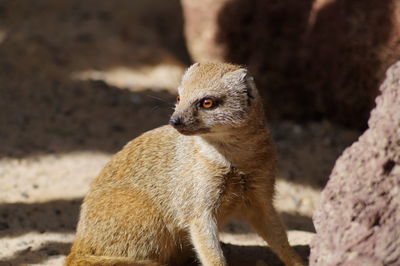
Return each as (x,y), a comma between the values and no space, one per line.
(176,121)
(186,126)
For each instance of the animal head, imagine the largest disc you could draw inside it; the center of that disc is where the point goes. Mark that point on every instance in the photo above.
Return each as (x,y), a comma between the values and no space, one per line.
(214,98)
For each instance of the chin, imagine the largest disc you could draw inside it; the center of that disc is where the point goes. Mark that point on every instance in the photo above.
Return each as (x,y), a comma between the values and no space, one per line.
(193,132)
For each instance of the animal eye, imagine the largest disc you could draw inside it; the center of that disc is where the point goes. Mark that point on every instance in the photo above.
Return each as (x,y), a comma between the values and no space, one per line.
(207,103)
(178,99)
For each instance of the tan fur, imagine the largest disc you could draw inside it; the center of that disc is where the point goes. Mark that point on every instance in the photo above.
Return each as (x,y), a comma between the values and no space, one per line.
(170,189)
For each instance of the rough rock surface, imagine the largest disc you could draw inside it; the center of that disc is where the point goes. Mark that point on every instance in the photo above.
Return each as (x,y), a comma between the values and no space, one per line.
(309,57)
(358,221)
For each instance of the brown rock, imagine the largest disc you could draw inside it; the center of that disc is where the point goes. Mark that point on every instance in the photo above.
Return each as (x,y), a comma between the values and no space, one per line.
(201,28)
(358,221)
(311,59)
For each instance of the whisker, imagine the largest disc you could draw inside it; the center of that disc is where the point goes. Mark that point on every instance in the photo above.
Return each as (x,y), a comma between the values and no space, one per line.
(154,108)
(157,98)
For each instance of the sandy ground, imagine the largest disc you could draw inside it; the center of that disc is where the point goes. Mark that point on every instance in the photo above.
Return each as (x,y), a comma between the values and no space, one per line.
(41,194)
(77,81)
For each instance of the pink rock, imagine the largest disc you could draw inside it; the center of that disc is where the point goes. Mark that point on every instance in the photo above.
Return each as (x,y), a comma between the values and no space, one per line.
(358,220)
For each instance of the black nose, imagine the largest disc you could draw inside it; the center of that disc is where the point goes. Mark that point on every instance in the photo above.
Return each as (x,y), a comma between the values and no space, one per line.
(175,121)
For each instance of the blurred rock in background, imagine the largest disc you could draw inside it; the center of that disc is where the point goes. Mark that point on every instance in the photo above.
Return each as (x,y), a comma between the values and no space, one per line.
(311,59)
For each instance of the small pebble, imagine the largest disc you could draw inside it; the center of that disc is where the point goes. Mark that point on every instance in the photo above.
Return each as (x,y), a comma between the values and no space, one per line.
(25,250)
(22,243)
(306,202)
(136,99)
(84,37)
(297,129)
(52,252)
(296,202)
(4,226)
(261,263)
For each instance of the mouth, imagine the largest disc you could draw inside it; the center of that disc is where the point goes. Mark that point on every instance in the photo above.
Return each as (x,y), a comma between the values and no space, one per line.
(193,132)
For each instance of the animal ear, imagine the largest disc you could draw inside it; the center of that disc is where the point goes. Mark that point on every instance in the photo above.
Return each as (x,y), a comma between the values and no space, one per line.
(241,79)
(189,71)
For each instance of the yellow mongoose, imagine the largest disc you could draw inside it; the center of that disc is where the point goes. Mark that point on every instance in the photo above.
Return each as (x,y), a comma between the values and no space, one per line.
(171,188)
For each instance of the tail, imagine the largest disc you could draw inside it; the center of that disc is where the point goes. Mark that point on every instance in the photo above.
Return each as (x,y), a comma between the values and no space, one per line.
(91,260)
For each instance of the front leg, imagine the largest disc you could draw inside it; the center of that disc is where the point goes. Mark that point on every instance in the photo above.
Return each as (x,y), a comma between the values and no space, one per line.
(204,235)
(266,222)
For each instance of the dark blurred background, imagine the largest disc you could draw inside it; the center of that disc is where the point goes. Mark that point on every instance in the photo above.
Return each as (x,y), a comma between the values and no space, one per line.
(321,59)
(86,74)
